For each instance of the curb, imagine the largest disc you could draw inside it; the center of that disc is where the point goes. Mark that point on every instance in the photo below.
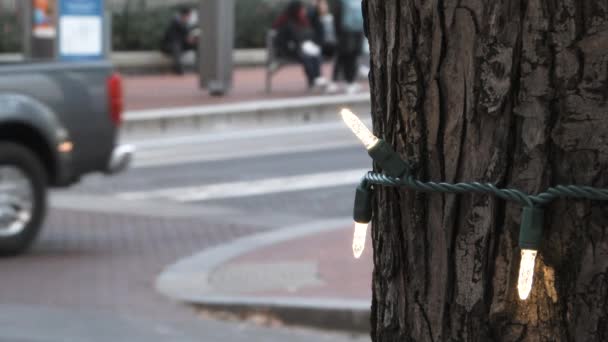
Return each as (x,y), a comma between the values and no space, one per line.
(188,281)
(154,62)
(290,111)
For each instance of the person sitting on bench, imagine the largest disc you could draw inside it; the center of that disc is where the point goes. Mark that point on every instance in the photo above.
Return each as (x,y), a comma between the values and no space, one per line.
(178,39)
(295,40)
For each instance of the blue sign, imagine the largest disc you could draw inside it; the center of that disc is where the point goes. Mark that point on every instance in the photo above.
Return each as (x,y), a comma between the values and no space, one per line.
(81,29)
(81,7)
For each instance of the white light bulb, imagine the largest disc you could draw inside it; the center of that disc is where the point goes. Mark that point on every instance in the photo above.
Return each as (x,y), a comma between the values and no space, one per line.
(359,238)
(361,131)
(526,273)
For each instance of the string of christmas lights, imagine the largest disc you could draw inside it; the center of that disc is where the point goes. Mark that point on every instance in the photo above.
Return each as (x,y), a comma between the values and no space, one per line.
(396,173)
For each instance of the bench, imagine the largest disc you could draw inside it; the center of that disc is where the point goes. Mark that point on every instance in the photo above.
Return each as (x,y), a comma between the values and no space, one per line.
(274,61)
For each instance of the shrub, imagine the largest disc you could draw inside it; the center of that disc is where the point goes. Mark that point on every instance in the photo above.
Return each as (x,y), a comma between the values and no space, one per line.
(138,27)
(253,19)
(11,34)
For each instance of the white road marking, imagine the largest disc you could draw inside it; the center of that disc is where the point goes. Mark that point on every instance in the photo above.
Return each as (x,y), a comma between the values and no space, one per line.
(251,188)
(178,157)
(248,106)
(221,137)
(206,147)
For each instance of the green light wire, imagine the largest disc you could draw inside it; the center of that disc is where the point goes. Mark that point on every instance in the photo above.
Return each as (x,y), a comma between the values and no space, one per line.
(397,174)
(514,195)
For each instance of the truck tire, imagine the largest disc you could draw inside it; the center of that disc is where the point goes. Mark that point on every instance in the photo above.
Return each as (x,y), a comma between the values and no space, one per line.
(22,198)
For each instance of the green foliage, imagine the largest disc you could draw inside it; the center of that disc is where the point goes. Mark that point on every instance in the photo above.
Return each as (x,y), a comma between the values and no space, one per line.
(10,33)
(137,27)
(253,19)
(140,27)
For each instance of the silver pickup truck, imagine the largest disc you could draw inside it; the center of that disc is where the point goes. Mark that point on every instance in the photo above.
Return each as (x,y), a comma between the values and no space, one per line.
(58,122)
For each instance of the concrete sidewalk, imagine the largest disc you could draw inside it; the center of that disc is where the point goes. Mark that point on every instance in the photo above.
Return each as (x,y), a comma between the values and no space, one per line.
(168,104)
(166,91)
(303,275)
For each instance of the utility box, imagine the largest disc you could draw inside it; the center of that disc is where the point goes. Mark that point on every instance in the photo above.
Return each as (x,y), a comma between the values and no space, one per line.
(67,30)
(216,45)
(40,28)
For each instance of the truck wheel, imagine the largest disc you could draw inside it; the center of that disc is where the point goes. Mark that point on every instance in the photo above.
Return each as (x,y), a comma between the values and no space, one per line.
(22,198)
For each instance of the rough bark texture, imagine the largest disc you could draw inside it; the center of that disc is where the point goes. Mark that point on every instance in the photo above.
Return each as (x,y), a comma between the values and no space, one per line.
(505,91)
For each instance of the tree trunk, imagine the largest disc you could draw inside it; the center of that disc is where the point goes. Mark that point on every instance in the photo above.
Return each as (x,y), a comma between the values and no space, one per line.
(511,92)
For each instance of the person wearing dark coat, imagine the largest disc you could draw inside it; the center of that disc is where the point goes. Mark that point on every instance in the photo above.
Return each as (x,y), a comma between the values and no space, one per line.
(177,39)
(322,22)
(295,39)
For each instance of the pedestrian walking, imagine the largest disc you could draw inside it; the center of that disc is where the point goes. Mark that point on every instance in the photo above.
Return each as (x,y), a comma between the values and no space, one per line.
(348,19)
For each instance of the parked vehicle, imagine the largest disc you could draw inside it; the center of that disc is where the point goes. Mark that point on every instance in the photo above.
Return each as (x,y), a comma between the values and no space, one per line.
(58,122)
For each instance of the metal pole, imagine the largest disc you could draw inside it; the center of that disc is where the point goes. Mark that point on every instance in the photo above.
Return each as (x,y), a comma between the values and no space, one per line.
(107,50)
(216,45)
(26,24)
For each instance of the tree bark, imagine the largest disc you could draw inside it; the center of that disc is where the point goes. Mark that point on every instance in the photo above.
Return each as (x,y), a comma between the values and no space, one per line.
(511,92)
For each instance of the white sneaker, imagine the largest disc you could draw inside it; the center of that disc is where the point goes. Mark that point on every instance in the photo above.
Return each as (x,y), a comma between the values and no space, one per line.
(320,82)
(353,88)
(332,88)
(363,72)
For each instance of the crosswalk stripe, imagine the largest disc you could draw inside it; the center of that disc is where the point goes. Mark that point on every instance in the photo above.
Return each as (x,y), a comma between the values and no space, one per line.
(251,188)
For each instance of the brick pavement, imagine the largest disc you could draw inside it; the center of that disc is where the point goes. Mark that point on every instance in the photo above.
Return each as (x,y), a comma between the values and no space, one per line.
(163,91)
(107,262)
(303,275)
(333,272)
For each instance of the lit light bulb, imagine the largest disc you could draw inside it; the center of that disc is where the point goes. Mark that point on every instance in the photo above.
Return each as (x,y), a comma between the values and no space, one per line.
(361,131)
(359,239)
(526,273)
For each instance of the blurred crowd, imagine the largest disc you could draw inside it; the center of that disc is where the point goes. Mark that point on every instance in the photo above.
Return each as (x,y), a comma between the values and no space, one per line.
(313,32)
(309,32)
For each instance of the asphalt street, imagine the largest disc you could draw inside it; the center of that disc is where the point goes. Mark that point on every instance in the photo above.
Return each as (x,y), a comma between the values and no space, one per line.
(91,275)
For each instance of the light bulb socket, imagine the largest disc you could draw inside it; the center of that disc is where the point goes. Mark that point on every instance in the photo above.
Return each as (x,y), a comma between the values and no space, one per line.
(362,212)
(389,160)
(531,229)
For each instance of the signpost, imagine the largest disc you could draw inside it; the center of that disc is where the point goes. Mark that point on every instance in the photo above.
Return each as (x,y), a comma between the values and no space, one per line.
(81,30)
(68,30)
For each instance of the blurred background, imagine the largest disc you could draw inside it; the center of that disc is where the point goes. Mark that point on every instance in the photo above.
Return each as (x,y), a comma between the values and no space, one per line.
(138,25)
(178,171)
